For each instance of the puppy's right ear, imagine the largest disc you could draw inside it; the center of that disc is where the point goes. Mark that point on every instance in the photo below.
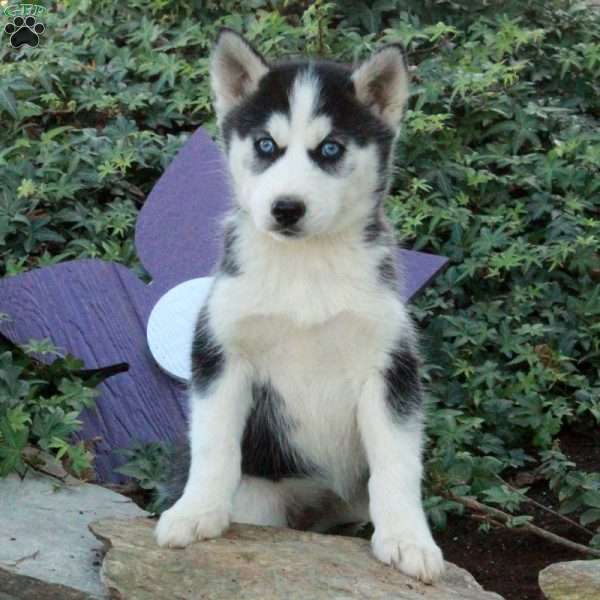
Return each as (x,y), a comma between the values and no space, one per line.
(235,70)
(381,83)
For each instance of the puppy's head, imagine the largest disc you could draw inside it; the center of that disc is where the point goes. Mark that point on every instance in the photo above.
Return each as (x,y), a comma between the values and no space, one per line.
(308,142)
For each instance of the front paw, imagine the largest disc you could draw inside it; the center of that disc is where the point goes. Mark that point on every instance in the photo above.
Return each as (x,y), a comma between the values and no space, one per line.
(183,524)
(420,559)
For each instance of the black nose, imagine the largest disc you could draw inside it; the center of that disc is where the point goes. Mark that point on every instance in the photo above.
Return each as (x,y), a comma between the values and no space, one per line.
(288,210)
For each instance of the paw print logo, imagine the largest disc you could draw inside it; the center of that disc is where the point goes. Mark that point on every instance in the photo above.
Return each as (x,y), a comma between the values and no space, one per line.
(24,31)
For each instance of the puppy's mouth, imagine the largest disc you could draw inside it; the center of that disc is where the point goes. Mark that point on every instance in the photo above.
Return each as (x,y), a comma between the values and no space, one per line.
(286,232)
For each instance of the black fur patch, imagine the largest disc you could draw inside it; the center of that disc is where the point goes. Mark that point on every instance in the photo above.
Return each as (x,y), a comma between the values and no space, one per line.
(208,358)
(229,263)
(251,116)
(374,228)
(377,229)
(265,448)
(387,272)
(265,452)
(404,391)
(350,118)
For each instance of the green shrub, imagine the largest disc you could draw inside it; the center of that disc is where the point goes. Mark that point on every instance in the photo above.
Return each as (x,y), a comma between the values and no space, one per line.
(497,169)
(40,405)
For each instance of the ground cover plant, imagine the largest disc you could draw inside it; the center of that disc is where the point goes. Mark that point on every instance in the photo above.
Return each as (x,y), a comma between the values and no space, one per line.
(497,168)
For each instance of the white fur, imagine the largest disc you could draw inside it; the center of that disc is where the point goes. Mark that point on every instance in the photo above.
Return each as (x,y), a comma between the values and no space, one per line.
(402,536)
(216,426)
(311,316)
(259,502)
(333,202)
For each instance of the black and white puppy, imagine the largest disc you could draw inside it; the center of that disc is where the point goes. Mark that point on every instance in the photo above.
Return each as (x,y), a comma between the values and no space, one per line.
(305,402)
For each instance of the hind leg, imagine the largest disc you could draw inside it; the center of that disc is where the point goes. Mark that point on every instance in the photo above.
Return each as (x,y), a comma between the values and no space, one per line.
(338,513)
(296,503)
(312,505)
(259,501)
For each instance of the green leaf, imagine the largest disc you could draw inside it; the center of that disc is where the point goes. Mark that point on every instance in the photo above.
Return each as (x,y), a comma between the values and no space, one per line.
(592,498)
(8,102)
(589,516)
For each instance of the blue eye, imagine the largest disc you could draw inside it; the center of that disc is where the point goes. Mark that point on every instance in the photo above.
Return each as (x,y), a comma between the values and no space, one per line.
(266,146)
(331,150)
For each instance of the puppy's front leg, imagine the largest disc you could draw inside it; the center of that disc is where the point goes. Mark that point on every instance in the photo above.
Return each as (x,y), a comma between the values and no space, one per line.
(218,418)
(390,422)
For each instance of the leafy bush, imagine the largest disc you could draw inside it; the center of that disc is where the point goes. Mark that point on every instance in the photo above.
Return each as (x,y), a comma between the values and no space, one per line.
(497,169)
(40,405)
(148,465)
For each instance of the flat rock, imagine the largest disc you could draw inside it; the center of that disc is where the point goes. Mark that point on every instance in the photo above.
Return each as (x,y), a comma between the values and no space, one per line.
(44,531)
(574,580)
(257,563)
(22,587)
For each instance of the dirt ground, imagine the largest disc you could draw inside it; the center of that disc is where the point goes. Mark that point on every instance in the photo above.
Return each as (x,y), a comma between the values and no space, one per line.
(508,561)
(503,561)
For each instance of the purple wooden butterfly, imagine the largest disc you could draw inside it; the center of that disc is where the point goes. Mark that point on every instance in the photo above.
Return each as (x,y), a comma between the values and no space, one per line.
(98,310)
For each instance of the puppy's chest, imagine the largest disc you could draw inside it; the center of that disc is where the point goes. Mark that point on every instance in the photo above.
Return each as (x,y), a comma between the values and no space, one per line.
(333,353)
(318,373)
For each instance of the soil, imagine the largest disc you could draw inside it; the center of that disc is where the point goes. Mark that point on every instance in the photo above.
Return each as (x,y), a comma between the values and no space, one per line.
(508,561)
(503,560)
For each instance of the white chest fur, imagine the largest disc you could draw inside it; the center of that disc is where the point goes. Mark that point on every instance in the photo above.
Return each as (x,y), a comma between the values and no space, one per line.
(319,372)
(314,322)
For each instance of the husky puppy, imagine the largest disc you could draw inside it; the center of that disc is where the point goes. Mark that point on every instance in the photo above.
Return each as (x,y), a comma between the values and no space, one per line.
(305,400)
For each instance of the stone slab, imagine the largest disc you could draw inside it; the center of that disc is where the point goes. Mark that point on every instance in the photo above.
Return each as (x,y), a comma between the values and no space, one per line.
(573,580)
(44,530)
(21,587)
(258,563)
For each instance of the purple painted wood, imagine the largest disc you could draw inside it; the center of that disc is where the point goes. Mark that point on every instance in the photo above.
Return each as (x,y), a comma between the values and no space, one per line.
(98,311)
(177,234)
(417,270)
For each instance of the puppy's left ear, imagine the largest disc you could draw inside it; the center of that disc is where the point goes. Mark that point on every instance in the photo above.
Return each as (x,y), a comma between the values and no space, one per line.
(235,70)
(381,83)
